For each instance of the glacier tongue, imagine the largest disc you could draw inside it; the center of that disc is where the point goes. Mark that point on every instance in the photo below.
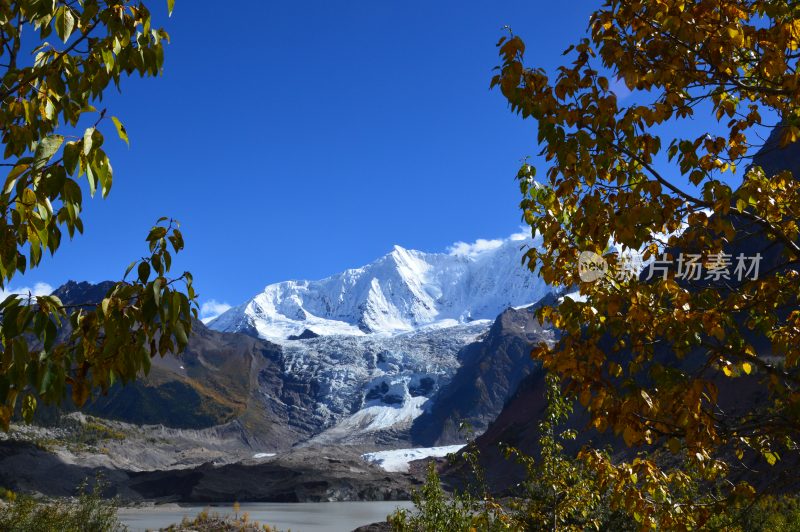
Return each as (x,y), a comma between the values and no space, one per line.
(398,460)
(399,292)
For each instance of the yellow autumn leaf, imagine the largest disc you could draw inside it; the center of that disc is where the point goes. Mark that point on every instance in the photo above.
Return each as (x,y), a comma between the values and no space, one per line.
(630,435)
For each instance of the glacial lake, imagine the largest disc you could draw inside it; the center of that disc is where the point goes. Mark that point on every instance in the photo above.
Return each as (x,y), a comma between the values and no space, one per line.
(299,517)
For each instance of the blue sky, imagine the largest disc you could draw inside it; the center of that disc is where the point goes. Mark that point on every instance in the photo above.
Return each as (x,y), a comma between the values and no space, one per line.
(295,139)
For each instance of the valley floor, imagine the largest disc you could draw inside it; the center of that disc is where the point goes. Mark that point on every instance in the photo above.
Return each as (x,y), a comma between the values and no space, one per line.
(158,464)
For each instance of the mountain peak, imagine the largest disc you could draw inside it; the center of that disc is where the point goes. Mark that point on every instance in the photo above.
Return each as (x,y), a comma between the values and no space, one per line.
(82,293)
(402,291)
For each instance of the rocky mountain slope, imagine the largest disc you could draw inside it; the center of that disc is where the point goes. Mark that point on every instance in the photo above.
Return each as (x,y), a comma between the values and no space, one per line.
(490,372)
(216,381)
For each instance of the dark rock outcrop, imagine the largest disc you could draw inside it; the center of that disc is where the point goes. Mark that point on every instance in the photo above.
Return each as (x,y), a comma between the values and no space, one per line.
(375,527)
(307,334)
(491,370)
(303,475)
(82,293)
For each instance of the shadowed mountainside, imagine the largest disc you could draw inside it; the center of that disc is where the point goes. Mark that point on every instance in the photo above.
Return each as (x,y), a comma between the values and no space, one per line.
(491,370)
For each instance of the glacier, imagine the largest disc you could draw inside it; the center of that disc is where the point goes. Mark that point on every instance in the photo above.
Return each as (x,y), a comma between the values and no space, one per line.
(374,344)
(398,460)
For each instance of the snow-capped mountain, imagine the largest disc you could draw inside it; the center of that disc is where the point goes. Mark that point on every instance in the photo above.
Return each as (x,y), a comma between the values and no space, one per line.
(374,345)
(400,292)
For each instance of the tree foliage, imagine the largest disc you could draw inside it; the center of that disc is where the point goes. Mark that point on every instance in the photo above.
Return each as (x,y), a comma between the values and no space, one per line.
(560,493)
(658,361)
(56,60)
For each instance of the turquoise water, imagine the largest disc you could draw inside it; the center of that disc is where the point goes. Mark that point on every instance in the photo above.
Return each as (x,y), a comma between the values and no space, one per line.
(299,517)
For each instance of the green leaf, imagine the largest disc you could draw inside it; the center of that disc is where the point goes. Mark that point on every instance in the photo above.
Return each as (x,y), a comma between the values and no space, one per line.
(175,307)
(49,109)
(144,272)
(102,169)
(11,180)
(65,23)
(50,334)
(108,60)
(157,283)
(170,6)
(71,156)
(771,457)
(128,269)
(180,334)
(157,263)
(47,379)
(87,140)
(45,150)
(121,131)
(156,233)
(177,240)
(28,408)
(92,180)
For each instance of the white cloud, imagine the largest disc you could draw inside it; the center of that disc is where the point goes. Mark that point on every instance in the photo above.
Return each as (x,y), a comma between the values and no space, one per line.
(211,309)
(523,234)
(474,248)
(39,289)
(471,249)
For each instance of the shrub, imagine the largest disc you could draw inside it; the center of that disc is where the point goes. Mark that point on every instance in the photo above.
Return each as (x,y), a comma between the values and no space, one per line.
(435,510)
(767,513)
(214,522)
(88,512)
